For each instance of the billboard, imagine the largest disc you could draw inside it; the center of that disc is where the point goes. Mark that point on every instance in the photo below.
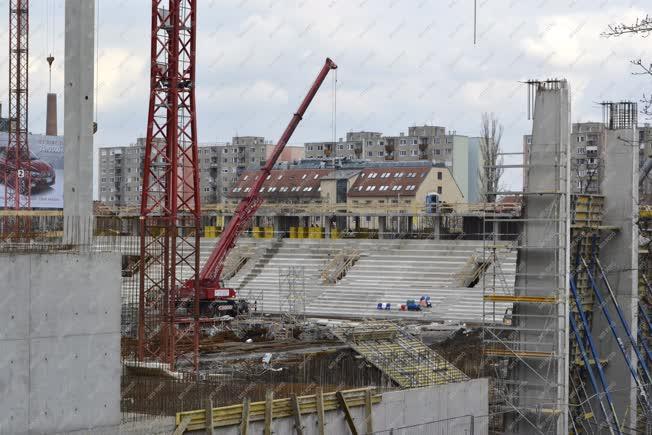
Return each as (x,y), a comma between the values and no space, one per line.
(46,162)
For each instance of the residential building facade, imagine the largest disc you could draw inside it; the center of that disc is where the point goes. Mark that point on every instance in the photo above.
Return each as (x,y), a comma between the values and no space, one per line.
(220,164)
(427,142)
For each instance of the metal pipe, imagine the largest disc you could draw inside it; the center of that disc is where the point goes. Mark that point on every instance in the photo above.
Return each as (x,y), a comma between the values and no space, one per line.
(594,351)
(619,341)
(623,321)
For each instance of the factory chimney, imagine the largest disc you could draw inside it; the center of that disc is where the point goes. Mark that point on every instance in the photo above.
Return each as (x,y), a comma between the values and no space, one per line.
(51,115)
(51,108)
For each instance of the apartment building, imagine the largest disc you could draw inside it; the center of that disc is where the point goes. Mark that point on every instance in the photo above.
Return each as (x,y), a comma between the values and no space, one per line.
(121,172)
(220,164)
(428,142)
(366,184)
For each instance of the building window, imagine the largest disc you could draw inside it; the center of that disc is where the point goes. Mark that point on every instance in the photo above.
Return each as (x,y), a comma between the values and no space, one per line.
(439,190)
(370,154)
(404,153)
(439,175)
(414,141)
(381,153)
(437,152)
(402,142)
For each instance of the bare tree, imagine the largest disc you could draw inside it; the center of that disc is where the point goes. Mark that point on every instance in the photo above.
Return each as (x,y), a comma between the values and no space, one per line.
(491,132)
(643,27)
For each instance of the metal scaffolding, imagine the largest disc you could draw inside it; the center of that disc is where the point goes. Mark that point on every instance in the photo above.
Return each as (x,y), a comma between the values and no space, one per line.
(525,327)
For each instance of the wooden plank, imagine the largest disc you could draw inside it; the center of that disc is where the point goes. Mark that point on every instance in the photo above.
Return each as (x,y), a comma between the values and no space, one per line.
(244,424)
(183,425)
(208,410)
(321,422)
(347,412)
(269,411)
(368,413)
(297,415)
(231,415)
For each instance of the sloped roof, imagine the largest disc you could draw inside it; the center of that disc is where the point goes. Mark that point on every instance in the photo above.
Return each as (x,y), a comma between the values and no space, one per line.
(282,183)
(340,174)
(404,181)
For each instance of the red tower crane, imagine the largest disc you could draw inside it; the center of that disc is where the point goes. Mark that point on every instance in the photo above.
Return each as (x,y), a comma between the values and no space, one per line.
(18,171)
(170,210)
(210,285)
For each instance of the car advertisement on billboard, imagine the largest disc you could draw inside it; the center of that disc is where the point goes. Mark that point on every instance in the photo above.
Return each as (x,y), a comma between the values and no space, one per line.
(45,164)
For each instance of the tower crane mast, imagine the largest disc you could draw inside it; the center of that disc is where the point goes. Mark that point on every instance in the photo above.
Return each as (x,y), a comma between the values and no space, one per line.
(17,174)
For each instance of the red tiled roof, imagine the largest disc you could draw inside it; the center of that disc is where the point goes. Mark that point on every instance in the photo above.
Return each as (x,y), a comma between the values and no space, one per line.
(404,181)
(282,183)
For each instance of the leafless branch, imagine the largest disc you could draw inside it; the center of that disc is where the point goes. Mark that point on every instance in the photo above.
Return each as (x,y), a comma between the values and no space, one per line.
(642,26)
(491,132)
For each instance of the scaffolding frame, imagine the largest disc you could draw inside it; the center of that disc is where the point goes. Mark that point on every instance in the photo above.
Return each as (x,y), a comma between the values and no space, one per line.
(292,293)
(527,352)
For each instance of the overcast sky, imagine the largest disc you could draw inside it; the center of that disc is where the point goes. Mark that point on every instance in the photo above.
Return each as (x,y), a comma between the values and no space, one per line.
(400,63)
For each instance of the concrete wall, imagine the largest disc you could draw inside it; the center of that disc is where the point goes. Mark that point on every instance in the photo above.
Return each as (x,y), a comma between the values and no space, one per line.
(59,343)
(619,257)
(404,408)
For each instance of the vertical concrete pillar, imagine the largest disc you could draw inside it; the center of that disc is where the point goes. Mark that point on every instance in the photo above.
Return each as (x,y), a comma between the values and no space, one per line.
(78,109)
(277,225)
(382,225)
(436,226)
(619,257)
(542,267)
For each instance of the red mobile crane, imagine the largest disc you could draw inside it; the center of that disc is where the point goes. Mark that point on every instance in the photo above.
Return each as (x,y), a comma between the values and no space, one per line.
(212,295)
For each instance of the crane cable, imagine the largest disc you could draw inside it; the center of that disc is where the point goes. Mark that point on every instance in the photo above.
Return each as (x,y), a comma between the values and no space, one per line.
(96,97)
(49,37)
(334,115)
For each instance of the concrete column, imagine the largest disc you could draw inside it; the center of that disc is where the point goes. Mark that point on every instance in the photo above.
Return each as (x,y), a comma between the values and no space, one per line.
(436,227)
(382,226)
(619,257)
(78,109)
(277,225)
(543,266)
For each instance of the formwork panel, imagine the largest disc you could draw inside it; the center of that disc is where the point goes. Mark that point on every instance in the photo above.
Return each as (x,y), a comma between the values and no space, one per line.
(74,382)
(62,361)
(14,319)
(74,294)
(14,386)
